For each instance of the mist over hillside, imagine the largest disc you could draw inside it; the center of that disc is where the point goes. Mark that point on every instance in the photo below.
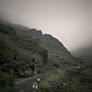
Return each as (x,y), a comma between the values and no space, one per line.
(27,52)
(45,45)
(85,53)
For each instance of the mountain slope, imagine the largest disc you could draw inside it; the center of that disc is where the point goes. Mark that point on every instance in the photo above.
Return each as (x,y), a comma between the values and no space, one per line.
(55,47)
(26,52)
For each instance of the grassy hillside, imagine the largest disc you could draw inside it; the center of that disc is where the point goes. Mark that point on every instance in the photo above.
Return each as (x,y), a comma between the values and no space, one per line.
(25,52)
(19,55)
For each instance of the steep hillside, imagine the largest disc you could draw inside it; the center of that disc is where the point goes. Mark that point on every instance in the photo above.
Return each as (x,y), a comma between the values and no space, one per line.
(46,40)
(20,56)
(26,52)
(54,46)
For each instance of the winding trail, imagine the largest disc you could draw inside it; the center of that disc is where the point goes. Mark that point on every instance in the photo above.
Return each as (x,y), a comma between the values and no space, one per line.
(25,86)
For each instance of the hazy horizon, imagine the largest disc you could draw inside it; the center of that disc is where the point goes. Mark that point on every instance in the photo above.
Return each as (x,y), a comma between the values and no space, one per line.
(68,20)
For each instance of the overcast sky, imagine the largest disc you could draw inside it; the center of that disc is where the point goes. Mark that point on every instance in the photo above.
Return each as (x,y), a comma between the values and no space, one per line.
(68,20)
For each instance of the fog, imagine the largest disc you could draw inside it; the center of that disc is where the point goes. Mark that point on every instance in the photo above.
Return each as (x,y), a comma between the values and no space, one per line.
(68,20)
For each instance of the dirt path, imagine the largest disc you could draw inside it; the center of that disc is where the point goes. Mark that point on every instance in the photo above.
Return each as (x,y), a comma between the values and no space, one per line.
(25,86)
